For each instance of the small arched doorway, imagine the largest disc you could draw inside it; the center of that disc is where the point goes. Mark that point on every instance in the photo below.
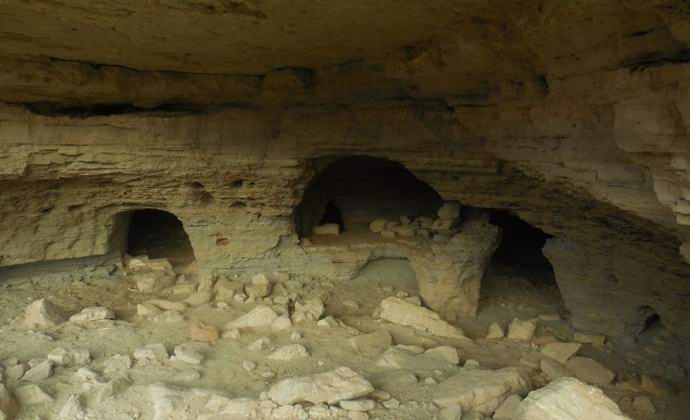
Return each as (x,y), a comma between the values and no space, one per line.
(156,233)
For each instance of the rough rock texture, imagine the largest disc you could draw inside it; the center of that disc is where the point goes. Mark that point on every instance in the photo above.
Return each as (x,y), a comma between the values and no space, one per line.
(450,281)
(481,391)
(8,405)
(398,311)
(572,115)
(330,387)
(42,313)
(567,398)
(622,285)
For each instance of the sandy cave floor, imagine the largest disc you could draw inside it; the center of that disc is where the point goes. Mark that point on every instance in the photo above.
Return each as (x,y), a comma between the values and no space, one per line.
(506,295)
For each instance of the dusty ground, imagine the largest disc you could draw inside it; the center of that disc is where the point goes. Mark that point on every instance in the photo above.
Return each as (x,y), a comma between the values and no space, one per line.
(507,294)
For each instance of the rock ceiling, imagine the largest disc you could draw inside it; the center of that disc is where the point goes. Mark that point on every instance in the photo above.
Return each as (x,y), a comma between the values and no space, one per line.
(77,51)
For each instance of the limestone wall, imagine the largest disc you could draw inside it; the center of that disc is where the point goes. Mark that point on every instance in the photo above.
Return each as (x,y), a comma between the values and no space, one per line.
(574,115)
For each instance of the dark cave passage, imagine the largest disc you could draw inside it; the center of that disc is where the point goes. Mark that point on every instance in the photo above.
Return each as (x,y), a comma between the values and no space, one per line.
(358,189)
(158,234)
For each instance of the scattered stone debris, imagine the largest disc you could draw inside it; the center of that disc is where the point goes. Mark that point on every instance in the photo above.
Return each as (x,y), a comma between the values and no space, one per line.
(271,327)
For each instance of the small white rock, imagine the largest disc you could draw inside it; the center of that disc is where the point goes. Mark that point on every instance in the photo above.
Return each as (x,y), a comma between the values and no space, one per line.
(289,352)
(187,353)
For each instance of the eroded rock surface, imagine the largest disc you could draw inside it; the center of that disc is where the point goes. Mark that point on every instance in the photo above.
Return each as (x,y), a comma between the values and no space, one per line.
(312,139)
(567,398)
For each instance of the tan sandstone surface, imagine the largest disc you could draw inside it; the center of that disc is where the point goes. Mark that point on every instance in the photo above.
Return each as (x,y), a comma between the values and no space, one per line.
(187,151)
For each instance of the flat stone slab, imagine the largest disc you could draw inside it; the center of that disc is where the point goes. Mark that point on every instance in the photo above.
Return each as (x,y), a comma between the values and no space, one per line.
(481,390)
(331,387)
(401,312)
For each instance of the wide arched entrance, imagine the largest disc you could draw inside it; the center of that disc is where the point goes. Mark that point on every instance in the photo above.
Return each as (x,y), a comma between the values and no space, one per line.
(352,191)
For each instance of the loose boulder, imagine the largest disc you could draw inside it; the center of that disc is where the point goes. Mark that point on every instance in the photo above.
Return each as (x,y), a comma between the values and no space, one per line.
(371,344)
(261,316)
(480,390)
(590,371)
(289,352)
(42,313)
(308,310)
(521,330)
(331,387)
(561,352)
(402,312)
(450,276)
(568,399)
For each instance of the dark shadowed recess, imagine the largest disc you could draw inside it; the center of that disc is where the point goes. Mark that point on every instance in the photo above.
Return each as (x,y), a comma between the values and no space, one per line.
(358,189)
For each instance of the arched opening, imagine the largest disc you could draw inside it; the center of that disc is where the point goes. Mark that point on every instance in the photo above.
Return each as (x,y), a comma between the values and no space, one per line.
(352,191)
(520,280)
(521,246)
(158,234)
